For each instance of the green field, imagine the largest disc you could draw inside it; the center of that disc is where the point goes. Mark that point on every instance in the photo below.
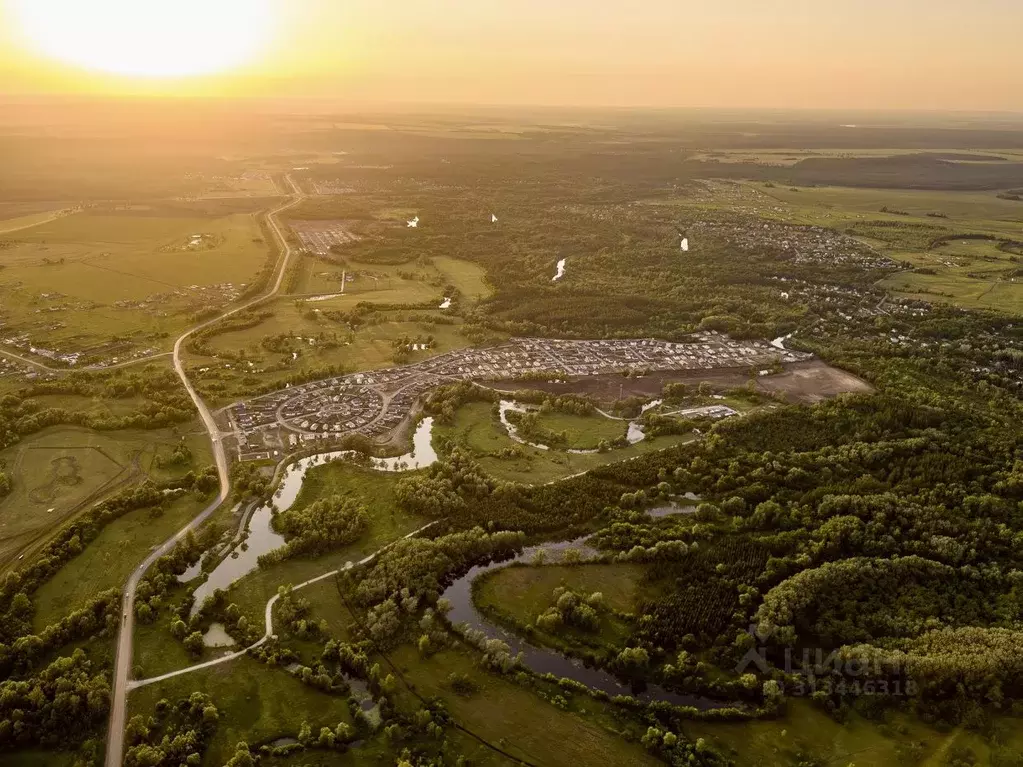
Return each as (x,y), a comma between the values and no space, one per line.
(156,652)
(522,723)
(966,273)
(77,281)
(56,473)
(476,427)
(414,282)
(370,346)
(805,731)
(325,603)
(256,703)
(61,471)
(583,432)
(27,221)
(113,554)
(525,592)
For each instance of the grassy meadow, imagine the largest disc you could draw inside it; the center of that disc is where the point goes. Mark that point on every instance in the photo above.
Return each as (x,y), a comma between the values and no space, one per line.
(78,281)
(516,718)
(109,559)
(256,703)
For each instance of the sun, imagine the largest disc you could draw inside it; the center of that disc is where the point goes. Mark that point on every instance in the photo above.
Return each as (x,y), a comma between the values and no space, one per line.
(147,38)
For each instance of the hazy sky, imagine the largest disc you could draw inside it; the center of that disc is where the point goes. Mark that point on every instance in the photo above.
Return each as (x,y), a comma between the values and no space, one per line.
(902,54)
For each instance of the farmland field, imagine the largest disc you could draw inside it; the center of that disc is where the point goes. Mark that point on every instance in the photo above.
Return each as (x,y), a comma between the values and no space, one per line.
(78,282)
(110,557)
(63,470)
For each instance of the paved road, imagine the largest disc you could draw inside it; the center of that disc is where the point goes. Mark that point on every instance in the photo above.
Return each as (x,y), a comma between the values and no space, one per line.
(268,618)
(123,658)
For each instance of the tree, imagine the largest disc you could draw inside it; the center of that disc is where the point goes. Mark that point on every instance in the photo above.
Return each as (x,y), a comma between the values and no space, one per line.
(194,644)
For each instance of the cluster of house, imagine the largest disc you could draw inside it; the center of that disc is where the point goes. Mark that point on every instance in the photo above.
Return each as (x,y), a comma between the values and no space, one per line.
(374,403)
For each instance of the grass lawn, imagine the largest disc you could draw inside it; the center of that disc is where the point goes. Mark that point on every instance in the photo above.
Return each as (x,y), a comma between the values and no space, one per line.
(806,730)
(157,652)
(325,603)
(523,593)
(256,703)
(469,278)
(108,560)
(583,432)
(386,523)
(517,719)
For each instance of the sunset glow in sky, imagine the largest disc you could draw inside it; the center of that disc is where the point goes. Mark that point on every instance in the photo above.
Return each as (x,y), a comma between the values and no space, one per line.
(887,54)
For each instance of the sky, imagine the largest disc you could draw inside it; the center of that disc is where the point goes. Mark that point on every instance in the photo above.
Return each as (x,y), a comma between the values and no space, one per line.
(806,54)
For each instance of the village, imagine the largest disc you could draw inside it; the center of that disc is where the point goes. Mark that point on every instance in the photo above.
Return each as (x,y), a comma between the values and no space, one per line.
(375,404)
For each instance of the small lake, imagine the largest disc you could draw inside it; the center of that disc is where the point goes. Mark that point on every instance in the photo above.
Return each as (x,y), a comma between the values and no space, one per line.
(544,660)
(422,454)
(560,270)
(262,538)
(217,636)
(684,505)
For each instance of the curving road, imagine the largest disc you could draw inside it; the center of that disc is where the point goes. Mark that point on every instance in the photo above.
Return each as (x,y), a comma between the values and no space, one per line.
(123,658)
(268,617)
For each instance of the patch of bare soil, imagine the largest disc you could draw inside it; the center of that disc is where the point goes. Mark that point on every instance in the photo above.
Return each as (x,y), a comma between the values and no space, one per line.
(801,382)
(812,382)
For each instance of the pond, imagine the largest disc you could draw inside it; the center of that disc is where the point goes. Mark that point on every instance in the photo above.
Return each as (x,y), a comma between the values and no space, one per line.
(262,538)
(217,636)
(561,270)
(686,504)
(544,660)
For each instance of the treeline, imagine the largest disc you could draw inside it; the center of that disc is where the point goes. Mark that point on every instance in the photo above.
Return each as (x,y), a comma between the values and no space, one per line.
(62,705)
(322,526)
(175,734)
(411,574)
(71,540)
(165,403)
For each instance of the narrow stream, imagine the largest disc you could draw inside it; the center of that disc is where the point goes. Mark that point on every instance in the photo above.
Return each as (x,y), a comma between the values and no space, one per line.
(543,660)
(262,539)
(633,435)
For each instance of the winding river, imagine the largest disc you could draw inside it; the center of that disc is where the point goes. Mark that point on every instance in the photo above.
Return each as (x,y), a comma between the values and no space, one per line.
(543,660)
(633,434)
(262,538)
